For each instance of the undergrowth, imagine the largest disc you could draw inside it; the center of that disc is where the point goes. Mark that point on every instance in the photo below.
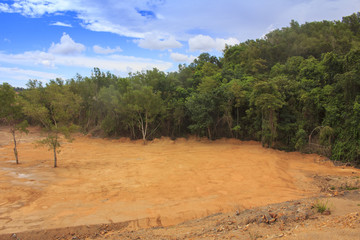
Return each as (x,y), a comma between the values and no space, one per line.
(321,206)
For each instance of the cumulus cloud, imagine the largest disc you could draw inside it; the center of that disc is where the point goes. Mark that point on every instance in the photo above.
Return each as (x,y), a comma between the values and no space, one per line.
(61,24)
(182,58)
(67,46)
(140,17)
(34,8)
(100,50)
(65,54)
(5,8)
(206,43)
(151,41)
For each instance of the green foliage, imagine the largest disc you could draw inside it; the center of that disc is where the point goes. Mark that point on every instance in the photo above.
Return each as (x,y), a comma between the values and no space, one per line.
(326,134)
(22,127)
(143,106)
(201,108)
(11,114)
(301,139)
(277,89)
(321,206)
(55,107)
(268,100)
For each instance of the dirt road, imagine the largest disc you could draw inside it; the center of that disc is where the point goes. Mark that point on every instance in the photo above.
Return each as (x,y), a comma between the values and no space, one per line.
(162,183)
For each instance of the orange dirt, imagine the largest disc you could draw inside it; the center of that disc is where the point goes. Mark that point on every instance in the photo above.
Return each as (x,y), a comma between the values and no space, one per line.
(162,183)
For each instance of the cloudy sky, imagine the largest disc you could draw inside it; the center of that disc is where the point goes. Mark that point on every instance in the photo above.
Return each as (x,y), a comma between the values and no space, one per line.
(46,39)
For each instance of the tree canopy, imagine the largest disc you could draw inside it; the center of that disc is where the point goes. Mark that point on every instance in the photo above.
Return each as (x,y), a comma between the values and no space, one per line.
(276,90)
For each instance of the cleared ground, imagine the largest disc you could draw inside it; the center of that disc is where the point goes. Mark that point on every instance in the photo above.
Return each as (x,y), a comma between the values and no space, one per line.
(162,183)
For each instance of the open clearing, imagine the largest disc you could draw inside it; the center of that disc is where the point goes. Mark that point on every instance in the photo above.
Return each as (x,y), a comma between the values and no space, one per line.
(159,184)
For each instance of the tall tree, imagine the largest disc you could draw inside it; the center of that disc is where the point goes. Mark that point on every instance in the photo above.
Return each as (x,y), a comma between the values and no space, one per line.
(268,100)
(54,107)
(11,114)
(144,106)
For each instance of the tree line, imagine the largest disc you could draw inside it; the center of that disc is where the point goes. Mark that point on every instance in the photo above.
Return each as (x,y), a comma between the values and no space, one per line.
(297,88)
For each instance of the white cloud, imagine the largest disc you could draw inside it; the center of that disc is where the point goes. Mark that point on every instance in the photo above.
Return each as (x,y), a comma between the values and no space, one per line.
(61,24)
(152,41)
(117,63)
(102,25)
(67,46)
(107,50)
(63,54)
(25,74)
(113,63)
(210,17)
(206,43)
(34,8)
(318,10)
(30,58)
(178,57)
(5,8)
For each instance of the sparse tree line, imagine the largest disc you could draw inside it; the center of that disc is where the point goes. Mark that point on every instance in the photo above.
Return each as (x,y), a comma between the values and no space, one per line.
(297,85)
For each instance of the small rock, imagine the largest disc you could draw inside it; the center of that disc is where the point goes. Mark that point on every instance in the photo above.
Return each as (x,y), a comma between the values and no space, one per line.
(273,215)
(272,220)
(246,228)
(267,218)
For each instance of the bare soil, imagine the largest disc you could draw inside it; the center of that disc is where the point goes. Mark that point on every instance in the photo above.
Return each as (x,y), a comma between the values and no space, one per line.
(183,189)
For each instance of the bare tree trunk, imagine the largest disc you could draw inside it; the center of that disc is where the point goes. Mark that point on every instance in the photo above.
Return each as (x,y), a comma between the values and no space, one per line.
(143,128)
(237,121)
(272,127)
(132,129)
(55,158)
(144,140)
(209,132)
(229,121)
(15,148)
(179,123)
(146,128)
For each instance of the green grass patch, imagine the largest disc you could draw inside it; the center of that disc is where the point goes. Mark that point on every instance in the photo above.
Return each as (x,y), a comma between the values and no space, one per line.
(321,206)
(349,188)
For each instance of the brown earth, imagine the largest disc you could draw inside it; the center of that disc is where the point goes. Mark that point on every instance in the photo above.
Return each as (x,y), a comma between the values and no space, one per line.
(112,189)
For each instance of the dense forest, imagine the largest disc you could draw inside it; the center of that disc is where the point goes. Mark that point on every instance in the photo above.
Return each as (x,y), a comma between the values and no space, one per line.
(297,88)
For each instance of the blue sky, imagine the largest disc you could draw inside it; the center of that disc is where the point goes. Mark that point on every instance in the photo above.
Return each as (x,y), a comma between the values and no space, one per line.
(46,39)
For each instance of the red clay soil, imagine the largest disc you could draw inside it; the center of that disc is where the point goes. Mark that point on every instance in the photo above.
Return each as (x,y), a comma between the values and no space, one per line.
(102,181)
